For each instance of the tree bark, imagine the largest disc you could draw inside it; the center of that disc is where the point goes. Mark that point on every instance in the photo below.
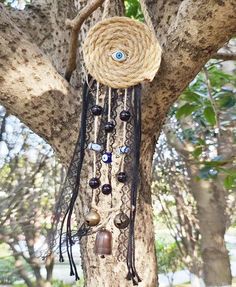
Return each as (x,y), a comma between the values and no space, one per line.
(32,89)
(211,203)
(211,200)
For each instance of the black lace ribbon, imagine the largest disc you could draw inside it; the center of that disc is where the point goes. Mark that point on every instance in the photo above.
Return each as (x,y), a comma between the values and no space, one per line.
(132,273)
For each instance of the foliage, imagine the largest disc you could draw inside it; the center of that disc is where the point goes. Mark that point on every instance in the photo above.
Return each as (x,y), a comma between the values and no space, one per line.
(200,132)
(30,180)
(8,275)
(169,257)
(205,112)
(176,207)
(133,10)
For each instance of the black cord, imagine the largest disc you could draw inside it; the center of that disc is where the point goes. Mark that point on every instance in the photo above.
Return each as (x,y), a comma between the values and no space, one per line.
(132,273)
(75,191)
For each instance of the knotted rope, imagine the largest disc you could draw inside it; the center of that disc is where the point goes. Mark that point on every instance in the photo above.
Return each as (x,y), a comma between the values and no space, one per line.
(132,37)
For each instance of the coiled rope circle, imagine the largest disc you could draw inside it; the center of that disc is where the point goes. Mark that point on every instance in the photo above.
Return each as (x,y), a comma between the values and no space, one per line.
(135,39)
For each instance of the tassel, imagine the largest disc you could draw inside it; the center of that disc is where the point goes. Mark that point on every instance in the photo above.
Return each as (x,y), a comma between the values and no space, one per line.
(134,186)
(69,211)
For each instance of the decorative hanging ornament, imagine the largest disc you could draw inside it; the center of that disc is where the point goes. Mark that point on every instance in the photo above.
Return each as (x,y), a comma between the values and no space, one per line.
(103,243)
(119,54)
(92,218)
(121,220)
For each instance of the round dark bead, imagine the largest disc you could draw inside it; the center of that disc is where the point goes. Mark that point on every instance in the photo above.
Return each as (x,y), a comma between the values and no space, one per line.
(122,177)
(109,127)
(97,110)
(106,189)
(94,182)
(125,116)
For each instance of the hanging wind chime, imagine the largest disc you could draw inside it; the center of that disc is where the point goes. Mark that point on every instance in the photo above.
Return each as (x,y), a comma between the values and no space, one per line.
(119,55)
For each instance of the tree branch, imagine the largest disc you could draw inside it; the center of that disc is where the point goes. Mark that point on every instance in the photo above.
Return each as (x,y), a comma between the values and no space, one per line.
(33,90)
(43,22)
(200,29)
(225,56)
(162,14)
(75,26)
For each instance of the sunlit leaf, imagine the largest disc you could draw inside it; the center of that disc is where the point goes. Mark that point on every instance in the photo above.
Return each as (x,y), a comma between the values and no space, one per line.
(186,110)
(210,115)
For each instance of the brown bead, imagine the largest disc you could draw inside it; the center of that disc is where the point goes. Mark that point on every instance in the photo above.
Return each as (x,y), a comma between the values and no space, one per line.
(92,218)
(121,220)
(103,243)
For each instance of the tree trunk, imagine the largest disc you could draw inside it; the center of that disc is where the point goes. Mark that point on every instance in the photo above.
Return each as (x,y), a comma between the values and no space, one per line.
(211,204)
(111,271)
(22,272)
(49,265)
(196,281)
(33,54)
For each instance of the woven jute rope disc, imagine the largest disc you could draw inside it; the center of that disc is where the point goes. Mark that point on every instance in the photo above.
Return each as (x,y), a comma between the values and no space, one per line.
(139,45)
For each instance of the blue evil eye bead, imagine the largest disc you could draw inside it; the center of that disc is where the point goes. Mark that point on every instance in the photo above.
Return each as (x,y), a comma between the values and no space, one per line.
(119,56)
(94,147)
(107,157)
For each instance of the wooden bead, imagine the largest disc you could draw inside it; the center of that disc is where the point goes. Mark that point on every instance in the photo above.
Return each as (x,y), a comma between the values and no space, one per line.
(125,116)
(106,189)
(109,127)
(94,182)
(122,177)
(96,110)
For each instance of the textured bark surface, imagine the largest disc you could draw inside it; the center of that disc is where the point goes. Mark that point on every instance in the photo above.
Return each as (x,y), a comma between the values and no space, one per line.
(33,54)
(211,204)
(211,200)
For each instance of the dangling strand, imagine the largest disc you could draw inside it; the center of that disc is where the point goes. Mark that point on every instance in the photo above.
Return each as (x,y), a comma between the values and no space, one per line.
(109,118)
(95,141)
(124,130)
(132,273)
(94,182)
(107,156)
(75,190)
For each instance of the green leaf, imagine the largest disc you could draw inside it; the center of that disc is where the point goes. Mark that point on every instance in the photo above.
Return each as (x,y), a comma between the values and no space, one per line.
(190,96)
(210,115)
(229,181)
(197,152)
(227,101)
(185,110)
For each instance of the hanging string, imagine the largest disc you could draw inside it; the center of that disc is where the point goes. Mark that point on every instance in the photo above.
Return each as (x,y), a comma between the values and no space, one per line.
(109,119)
(124,128)
(132,273)
(75,191)
(147,16)
(95,134)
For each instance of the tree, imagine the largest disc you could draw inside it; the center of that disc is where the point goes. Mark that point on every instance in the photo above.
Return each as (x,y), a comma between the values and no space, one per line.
(177,209)
(202,137)
(30,182)
(33,54)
